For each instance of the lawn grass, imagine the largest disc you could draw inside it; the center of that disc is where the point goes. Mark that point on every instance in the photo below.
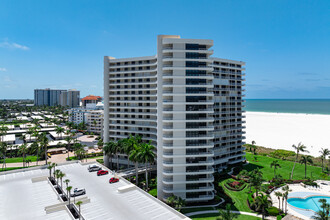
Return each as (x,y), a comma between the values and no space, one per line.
(214,216)
(153,192)
(20,159)
(76,158)
(263,163)
(239,198)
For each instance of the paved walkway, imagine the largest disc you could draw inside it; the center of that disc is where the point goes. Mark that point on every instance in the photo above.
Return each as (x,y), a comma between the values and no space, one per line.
(58,158)
(238,212)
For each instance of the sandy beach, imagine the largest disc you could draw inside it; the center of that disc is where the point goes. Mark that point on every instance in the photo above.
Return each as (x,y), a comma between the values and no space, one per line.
(282,130)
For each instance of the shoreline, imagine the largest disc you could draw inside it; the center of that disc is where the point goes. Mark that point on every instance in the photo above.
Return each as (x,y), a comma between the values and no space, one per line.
(282,130)
(289,113)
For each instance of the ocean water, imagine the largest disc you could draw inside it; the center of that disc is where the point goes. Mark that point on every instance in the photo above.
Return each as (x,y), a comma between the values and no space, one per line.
(307,106)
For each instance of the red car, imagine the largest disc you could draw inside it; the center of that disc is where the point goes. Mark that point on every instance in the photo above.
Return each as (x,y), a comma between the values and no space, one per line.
(102,172)
(113,180)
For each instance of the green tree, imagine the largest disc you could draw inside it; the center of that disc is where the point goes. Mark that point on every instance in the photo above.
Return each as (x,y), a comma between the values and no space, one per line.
(306,159)
(227,214)
(79,204)
(68,192)
(44,142)
(50,167)
(109,150)
(262,203)
(324,153)
(59,131)
(146,155)
(286,189)
(3,150)
(276,165)
(61,175)
(23,149)
(134,157)
(279,196)
(69,141)
(176,202)
(299,148)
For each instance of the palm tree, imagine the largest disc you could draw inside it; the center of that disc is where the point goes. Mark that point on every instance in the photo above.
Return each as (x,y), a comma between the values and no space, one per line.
(256,179)
(109,150)
(34,149)
(61,175)
(128,145)
(68,192)
(299,148)
(22,151)
(59,131)
(3,132)
(3,150)
(50,167)
(324,153)
(146,155)
(57,175)
(275,164)
(279,195)
(227,214)
(286,189)
(66,182)
(252,145)
(69,140)
(134,157)
(44,143)
(306,160)
(324,213)
(263,203)
(79,204)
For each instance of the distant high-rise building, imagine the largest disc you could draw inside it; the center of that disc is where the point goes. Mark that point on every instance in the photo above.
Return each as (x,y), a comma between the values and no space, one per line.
(48,97)
(70,98)
(54,97)
(187,103)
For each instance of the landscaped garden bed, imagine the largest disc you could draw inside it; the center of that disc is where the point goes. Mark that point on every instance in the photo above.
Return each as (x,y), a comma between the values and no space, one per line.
(235,185)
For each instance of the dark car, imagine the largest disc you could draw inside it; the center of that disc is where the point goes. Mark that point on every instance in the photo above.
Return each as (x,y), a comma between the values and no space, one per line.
(102,172)
(113,180)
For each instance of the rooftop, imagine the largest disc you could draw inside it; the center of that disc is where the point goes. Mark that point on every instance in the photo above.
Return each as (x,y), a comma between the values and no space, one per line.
(91,97)
(121,200)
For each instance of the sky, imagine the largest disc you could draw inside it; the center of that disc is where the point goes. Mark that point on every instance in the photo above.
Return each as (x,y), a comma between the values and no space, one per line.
(61,44)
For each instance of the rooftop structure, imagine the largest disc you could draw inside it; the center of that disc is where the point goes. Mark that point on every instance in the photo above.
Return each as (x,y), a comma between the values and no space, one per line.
(90,99)
(187,103)
(34,196)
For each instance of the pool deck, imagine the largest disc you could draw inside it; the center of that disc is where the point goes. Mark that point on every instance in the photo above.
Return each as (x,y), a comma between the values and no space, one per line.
(299,191)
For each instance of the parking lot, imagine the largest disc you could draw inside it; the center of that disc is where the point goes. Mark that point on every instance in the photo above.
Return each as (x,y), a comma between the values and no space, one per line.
(106,202)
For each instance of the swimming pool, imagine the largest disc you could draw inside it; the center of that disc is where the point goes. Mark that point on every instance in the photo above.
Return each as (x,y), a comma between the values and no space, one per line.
(311,202)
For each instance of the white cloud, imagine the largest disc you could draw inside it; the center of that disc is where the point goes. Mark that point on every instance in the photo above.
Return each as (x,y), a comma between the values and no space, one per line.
(3,69)
(13,45)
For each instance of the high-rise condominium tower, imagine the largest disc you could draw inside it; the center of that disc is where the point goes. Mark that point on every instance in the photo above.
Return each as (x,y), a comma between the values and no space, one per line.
(187,103)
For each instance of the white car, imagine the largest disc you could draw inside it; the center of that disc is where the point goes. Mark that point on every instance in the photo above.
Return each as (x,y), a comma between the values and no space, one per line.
(78,192)
(94,167)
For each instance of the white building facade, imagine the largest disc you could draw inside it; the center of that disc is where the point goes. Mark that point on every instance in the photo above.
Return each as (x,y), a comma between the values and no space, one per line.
(187,103)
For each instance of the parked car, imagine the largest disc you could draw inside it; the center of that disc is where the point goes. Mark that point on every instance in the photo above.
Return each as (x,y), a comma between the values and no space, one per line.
(102,172)
(78,192)
(113,180)
(93,167)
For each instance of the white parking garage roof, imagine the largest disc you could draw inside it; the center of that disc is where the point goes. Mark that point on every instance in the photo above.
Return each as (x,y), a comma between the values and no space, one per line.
(121,200)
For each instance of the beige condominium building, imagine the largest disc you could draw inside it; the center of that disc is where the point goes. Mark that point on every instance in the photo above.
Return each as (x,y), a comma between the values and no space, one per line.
(188,103)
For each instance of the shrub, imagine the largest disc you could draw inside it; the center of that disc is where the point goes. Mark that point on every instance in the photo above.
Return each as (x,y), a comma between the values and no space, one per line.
(273,211)
(282,154)
(251,201)
(279,217)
